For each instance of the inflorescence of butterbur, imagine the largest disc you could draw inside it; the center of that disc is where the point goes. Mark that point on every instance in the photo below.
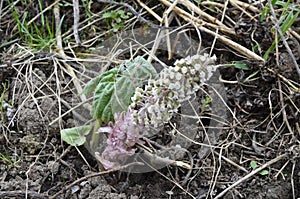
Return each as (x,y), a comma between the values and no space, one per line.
(122,136)
(154,105)
(161,98)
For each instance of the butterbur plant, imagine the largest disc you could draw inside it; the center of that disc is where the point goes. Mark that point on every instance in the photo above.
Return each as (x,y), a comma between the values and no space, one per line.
(154,105)
(139,106)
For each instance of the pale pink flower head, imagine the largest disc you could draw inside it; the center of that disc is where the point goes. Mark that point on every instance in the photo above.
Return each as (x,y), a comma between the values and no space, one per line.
(123,134)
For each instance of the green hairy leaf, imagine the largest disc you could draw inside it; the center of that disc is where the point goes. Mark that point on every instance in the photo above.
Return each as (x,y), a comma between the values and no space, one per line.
(75,136)
(116,87)
(107,76)
(101,104)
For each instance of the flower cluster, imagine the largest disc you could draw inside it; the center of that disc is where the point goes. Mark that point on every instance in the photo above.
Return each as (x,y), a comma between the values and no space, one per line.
(161,98)
(122,136)
(154,105)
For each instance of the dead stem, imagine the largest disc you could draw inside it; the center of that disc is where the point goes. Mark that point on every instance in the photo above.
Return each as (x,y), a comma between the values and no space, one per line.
(200,24)
(76,20)
(156,16)
(63,55)
(255,171)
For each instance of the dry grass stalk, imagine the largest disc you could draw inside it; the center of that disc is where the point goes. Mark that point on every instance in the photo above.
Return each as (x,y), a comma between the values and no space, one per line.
(239,48)
(156,16)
